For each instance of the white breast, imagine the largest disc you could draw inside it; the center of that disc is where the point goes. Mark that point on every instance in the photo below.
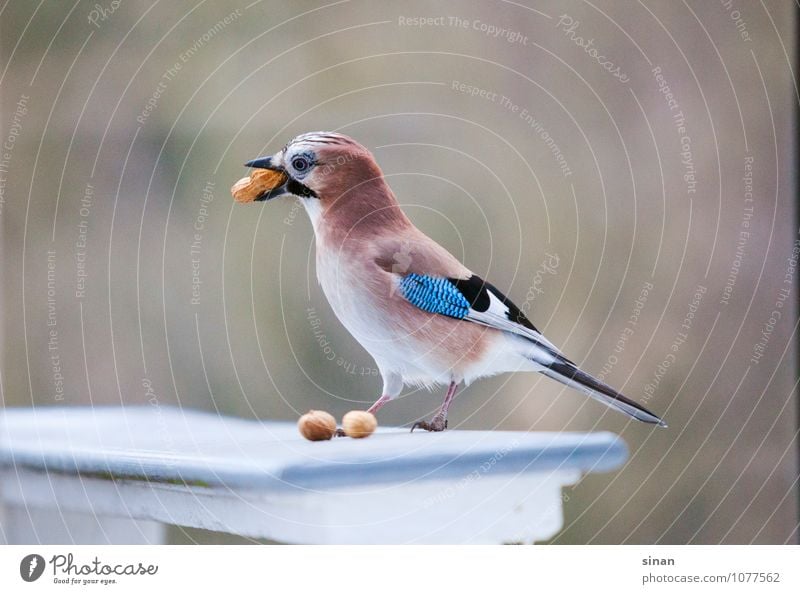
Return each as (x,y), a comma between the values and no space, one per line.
(314,209)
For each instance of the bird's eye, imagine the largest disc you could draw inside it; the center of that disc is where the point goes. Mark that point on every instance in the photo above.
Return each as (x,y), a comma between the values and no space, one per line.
(300,163)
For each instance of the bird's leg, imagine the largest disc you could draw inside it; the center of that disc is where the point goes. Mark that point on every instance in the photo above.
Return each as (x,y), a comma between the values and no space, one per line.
(439,421)
(379,404)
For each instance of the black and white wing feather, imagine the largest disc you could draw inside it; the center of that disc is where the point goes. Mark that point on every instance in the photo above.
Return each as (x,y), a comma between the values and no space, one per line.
(471,299)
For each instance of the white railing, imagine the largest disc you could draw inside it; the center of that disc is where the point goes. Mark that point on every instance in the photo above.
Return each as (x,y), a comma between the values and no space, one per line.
(120,475)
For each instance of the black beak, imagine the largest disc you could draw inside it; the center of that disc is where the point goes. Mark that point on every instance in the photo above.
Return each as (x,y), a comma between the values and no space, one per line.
(266,163)
(262,163)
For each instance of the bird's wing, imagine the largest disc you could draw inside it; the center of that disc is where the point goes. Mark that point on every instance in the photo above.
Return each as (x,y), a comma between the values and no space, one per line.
(472,299)
(432,279)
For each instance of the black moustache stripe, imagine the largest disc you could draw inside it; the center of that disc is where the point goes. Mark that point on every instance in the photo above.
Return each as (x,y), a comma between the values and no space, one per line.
(298,189)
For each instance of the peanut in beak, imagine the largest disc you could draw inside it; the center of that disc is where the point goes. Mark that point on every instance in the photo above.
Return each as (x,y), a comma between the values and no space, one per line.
(260,181)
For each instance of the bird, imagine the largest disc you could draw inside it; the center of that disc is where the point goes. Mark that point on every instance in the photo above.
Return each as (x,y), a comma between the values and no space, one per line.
(423,316)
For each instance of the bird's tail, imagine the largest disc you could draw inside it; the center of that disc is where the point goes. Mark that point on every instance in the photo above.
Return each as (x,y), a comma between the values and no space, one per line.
(566,372)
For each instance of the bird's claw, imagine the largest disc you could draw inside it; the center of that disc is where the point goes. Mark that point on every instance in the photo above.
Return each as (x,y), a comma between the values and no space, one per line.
(436,424)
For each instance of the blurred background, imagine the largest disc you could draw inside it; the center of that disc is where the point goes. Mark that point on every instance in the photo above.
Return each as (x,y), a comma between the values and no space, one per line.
(624,172)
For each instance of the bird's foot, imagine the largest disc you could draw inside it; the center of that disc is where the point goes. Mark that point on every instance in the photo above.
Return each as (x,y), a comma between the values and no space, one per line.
(437,423)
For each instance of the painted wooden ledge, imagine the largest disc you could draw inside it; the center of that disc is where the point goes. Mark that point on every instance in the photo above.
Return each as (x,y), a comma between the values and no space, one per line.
(112,474)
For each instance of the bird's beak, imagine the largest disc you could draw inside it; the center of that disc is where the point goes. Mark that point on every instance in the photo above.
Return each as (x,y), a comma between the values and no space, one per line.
(262,163)
(281,180)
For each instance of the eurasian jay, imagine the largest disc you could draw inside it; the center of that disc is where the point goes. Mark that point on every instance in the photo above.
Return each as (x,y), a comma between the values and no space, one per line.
(423,316)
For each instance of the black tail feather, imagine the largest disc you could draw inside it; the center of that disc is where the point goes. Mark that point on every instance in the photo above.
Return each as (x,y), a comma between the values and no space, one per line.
(567,373)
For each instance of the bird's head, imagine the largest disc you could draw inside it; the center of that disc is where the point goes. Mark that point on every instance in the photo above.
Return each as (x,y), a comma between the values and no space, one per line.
(331,173)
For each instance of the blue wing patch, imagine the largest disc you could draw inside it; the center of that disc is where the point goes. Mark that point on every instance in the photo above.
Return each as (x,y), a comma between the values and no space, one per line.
(435,295)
